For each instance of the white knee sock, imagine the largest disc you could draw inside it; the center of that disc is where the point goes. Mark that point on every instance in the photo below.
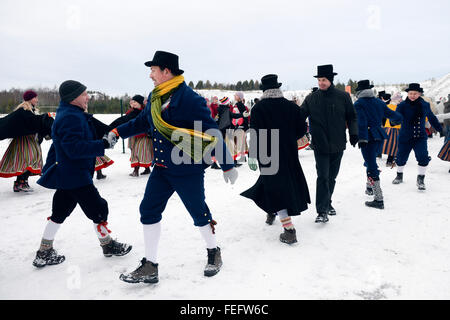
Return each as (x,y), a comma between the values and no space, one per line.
(400,169)
(422,170)
(152,234)
(50,230)
(208,236)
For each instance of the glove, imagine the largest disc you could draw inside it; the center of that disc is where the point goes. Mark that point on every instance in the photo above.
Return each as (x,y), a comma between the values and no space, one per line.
(253,164)
(362,144)
(354,139)
(230,175)
(111,139)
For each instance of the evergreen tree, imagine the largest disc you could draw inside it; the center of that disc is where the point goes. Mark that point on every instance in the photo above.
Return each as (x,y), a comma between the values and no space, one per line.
(199,85)
(191,84)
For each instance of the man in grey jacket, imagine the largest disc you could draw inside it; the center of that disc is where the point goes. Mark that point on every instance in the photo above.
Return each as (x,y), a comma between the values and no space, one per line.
(330,112)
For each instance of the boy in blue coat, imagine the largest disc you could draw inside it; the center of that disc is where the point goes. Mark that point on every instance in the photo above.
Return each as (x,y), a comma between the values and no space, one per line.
(370,112)
(413,135)
(69,169)
(173,109)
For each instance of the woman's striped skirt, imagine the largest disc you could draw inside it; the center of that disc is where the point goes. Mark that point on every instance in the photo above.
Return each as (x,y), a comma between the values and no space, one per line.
(102,162)
(444,154)
(390,145)
(23,154)
(141,151)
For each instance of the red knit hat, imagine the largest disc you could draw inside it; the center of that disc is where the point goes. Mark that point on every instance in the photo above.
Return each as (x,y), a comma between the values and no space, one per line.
(29,94)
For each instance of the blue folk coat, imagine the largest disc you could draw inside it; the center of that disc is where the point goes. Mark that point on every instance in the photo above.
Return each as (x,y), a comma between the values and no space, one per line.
(184,108)
(71,160)
(370,112)
(412,130)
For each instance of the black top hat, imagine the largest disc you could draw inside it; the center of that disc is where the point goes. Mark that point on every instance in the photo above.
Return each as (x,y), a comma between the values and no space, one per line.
(387,96)
(363,85)
(167,60)
(414,87)
(381,94)
(325,71)
(269,81)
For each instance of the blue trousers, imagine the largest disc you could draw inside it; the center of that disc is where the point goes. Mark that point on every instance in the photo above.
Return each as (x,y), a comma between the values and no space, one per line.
(160,187)
(369,154)
(420,148)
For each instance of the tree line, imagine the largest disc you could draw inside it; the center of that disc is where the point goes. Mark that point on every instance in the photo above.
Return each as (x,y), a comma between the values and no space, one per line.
(247,85)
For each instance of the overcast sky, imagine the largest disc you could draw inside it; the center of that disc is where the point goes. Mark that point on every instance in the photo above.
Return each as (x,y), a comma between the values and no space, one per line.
(104,44)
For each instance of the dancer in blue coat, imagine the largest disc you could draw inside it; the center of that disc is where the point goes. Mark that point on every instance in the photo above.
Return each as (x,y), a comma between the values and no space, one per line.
(69,169)
(175,109)
(370,112)
(413,135)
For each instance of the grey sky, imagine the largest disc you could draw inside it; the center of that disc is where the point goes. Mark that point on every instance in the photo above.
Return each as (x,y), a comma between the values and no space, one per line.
(104,44)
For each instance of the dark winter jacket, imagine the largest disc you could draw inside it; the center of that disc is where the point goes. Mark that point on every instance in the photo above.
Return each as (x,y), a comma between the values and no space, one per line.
(414,114)
(242,108)
(287,188)
(185,108)
(224,121)
(71,160)
(24,122)
(371,112)
(330,112)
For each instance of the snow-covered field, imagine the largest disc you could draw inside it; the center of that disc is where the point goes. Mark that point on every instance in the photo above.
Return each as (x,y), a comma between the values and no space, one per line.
(402,252)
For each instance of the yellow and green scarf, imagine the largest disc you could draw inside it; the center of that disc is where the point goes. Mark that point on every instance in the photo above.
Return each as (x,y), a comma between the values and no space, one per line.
(197,139)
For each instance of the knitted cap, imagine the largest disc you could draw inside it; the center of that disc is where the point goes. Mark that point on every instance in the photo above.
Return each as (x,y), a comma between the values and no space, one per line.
(29,94)
(224,100)
(70,90)
(240,94)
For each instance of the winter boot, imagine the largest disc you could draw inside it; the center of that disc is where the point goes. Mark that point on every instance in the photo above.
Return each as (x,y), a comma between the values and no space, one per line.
(146,171)
(114,248)
(135,172)
(214,262)
(270,218)
(399,178)
(47,257)
(378,202)
(100,175)
(16,187)
(421,182)
(322,217)
(288,236)
(331,211)
(146,272)
(26,187)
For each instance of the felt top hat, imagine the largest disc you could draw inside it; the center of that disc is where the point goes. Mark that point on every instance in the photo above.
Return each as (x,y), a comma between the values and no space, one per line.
(325,71)
(363,85)
(387,96)
(414,87)
(167,60)
(269,81)
(381,94)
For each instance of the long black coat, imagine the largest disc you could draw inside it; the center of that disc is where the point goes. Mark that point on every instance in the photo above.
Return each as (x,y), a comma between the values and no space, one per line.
(287,189)
(24,122)
(330,112)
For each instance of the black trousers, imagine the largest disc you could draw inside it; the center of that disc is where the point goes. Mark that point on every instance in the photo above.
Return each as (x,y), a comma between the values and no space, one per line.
(90,201)
(327,167)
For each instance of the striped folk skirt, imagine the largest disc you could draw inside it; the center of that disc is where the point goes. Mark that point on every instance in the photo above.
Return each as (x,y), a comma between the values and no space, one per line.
(390,145)
(303,142)
(444,154)
(102,163)
(23,154)
(141,151)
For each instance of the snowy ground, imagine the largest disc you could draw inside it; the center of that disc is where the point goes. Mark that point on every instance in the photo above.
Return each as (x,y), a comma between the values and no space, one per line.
(399,253)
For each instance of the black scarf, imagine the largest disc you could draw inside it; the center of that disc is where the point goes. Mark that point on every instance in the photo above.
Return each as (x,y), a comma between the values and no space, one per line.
(418,110)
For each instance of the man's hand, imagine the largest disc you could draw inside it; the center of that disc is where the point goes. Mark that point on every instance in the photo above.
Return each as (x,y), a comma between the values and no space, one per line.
(230,175)
(354,139)
(110,140)
(253,164)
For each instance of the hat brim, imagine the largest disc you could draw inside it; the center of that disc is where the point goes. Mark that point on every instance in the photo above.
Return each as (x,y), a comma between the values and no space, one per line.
(263,87)
(418,90)
(150,64)
(325,75)
(360,89)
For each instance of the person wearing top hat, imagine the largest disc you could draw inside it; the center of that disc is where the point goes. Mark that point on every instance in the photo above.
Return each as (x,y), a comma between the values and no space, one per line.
(174,108)
(413,135)
(69,169)
(330,112)
(370,112)
(281,188)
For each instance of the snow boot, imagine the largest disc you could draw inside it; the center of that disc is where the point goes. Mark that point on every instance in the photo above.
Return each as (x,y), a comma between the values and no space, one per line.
(135,172)
(214,262)
(114,248)
(375,204)
(270,218)
(288,236)
(421,182)
(399,178)
(322,217)
(16,187)
(47,257)
(331,211)
(100,175)
(146,272)
(146,171)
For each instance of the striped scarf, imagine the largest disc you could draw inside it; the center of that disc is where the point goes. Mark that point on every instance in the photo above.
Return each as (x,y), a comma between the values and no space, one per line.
(196,140)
